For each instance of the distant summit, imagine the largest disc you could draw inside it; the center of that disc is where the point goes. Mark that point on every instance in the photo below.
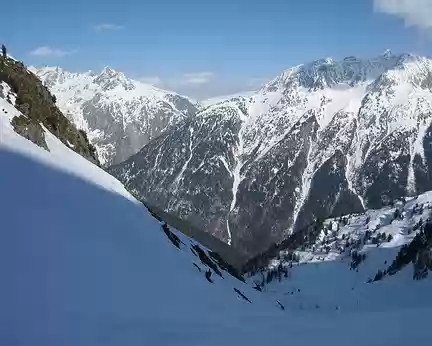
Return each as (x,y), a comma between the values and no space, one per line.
(121,115)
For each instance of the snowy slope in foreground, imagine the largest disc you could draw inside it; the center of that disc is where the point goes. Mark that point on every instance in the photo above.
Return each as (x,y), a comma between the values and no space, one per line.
(82,265)
(86,266)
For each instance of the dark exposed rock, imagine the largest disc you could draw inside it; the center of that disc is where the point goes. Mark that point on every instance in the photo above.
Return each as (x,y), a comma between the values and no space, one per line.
(208,274)
(172,236)
(242,295)
(280,305)
(206,260)
(30,129)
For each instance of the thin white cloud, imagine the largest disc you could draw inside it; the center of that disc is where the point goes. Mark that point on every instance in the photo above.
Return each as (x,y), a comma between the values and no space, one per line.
(415,13)
(152,80)
(204,85)
(187,80)
(255,83)
(51,52)
(196,78)
(107,27)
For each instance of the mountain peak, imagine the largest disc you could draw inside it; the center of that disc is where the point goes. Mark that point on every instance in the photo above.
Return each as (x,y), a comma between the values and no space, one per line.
(109,71)
(328,72)
(109,79)
(387,53)
(120,114)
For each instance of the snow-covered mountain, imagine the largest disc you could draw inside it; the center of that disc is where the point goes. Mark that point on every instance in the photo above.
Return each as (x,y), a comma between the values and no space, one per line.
(119,114)
(324,138)
(84,263)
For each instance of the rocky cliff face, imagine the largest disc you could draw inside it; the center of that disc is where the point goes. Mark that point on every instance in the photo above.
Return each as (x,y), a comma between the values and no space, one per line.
(321,139)
(37,107)
(119,114)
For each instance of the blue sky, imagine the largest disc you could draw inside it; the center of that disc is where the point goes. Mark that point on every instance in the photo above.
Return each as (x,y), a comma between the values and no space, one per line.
(205,48)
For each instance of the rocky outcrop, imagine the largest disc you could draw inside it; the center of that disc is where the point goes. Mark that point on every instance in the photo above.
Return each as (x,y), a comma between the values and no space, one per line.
(30,129)
(38,107)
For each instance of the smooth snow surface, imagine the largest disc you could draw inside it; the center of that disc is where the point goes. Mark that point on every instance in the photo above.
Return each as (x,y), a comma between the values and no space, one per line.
(83,264)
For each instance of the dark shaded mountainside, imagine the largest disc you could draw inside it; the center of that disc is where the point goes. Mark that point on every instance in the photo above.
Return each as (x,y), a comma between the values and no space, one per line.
(37,105)
(322,139)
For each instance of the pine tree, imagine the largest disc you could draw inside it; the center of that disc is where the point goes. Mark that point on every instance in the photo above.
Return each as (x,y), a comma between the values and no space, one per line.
(4,53)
